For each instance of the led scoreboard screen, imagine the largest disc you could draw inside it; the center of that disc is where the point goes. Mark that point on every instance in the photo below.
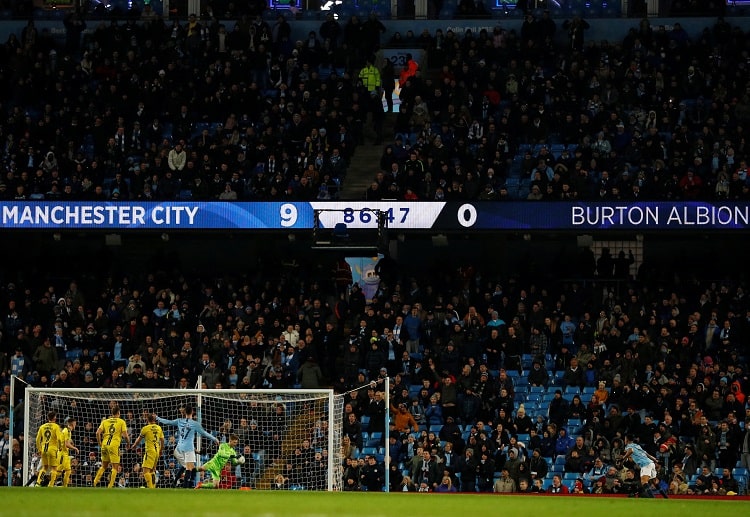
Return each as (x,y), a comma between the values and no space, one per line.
(438,216)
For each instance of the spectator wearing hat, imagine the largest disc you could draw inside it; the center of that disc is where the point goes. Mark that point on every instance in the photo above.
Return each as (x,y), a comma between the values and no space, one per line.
(89,381)
(19,363)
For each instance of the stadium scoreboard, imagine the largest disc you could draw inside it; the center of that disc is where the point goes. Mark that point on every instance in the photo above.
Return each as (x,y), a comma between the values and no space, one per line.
(401,215)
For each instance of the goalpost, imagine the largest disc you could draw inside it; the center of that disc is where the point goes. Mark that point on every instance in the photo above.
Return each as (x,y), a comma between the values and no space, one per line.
(295,434)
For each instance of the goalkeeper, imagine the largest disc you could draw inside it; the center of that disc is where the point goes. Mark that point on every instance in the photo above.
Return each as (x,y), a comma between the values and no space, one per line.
(214,466)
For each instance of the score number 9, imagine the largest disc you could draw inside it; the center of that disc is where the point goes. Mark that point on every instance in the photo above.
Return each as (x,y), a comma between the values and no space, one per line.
(288,215)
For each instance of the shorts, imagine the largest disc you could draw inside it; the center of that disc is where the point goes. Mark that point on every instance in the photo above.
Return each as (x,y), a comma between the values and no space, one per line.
(185,457)
(51,459)
(64,462)
(111,454)
(215,474)
(649,470)
(150,459)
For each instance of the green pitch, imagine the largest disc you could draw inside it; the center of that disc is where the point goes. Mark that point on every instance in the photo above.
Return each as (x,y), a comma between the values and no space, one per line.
(83,502)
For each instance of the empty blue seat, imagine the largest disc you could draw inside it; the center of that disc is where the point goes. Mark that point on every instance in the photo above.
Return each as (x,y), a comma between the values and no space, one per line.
(534,398)
(536,389)
(435,428)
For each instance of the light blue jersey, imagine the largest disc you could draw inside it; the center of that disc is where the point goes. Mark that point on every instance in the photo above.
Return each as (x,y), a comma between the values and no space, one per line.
(187,428)
(639,455)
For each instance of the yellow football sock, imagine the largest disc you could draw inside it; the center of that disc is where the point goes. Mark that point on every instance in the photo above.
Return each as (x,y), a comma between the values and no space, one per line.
(98,477)
(66,478)
(112,478)
(149,479)
(52,478)
(40,476)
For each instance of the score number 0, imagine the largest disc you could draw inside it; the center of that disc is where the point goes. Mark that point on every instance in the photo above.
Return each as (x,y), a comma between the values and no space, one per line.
(467,215)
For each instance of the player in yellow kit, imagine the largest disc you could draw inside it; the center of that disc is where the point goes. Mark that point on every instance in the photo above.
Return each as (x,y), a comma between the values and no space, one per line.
(109,435)
(49,441)
(153,443)
(67,446)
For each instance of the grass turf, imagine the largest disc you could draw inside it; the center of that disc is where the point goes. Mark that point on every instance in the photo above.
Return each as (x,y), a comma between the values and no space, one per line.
(83,502)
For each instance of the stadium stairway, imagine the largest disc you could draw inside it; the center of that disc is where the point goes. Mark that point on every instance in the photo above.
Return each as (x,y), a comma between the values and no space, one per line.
(366,160)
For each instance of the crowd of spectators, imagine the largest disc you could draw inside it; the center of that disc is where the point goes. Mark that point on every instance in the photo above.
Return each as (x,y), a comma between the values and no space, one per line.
(487,373)
(656,115)
(149,109)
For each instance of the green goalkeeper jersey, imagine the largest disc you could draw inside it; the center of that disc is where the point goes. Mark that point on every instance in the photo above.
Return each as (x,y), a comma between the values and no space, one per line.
(223,455)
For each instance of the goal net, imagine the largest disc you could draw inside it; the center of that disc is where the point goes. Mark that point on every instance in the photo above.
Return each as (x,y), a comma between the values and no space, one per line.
(286,436)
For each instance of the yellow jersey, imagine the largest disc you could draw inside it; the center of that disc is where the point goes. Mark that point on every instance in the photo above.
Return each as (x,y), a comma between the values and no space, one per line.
(66,435)
(49,438)
(112,431)
(153,437)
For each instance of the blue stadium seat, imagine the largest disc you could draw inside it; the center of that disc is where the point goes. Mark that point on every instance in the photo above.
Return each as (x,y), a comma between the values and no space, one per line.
(572,390)
(435,428)
(364,422)
(534,398)
(185,195)
(536,389)
(588,391)
(571,476)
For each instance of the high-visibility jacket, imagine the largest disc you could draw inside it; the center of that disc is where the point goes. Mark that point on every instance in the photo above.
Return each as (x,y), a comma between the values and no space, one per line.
(370,76)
